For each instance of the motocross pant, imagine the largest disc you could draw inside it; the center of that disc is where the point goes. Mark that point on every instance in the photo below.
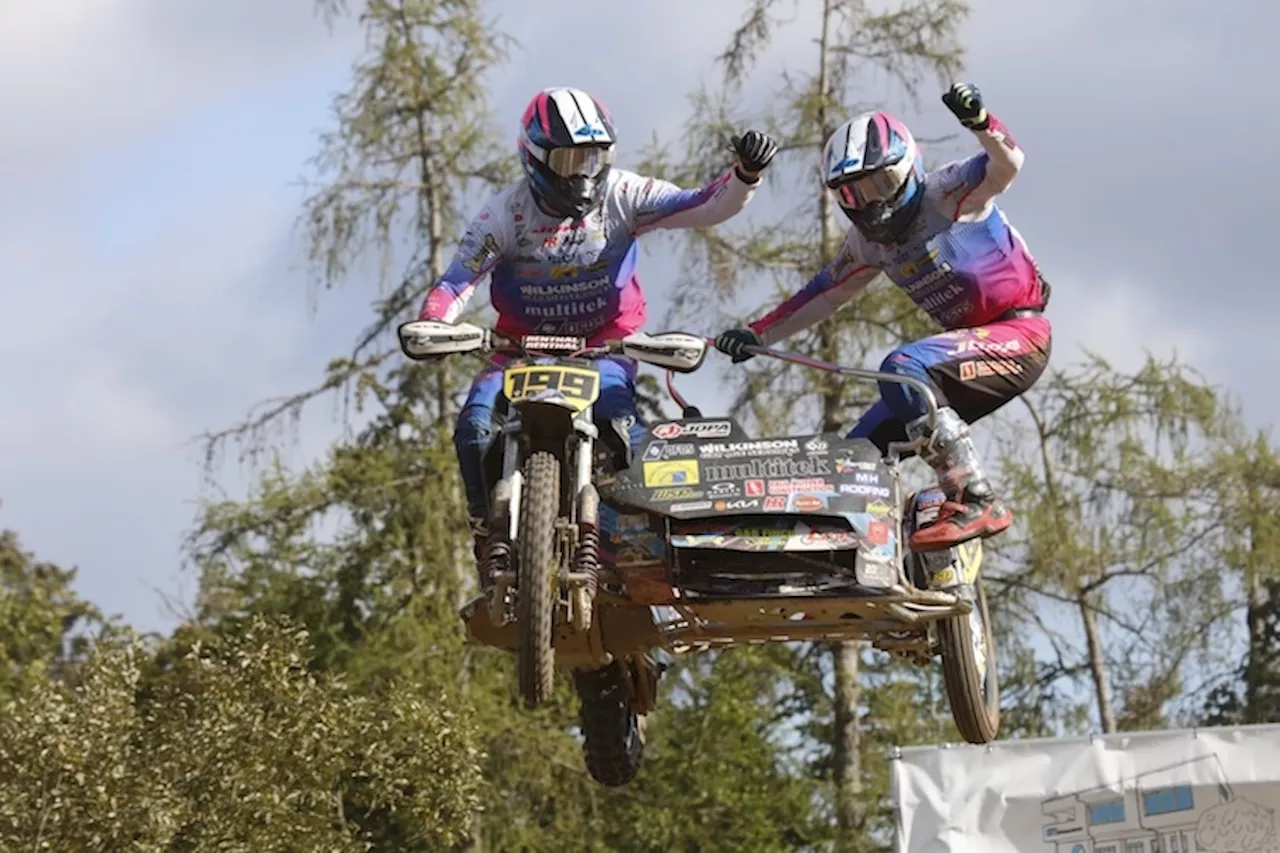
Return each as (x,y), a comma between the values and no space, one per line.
(973,371)
(475,422)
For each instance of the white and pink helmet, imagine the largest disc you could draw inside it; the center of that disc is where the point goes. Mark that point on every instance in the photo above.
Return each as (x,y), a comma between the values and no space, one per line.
(873,167)
(566,147)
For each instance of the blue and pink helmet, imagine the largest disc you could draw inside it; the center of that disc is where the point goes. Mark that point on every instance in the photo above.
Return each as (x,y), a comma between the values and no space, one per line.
(566,147)
(873,167)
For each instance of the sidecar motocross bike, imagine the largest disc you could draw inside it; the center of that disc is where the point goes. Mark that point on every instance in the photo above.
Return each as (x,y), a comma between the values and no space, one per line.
(700,538)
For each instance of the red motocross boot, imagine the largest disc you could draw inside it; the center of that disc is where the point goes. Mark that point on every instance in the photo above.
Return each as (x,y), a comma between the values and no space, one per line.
(972,508)
(975,512)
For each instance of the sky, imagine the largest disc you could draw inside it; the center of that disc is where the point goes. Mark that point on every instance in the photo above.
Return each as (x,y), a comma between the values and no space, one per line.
(151,280)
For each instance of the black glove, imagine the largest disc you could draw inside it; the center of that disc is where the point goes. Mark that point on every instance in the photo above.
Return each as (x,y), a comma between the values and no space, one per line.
(965,102)
(755,152)
(732,342)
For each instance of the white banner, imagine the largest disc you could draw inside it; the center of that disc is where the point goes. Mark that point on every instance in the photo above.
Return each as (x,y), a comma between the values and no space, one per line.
(1213,790)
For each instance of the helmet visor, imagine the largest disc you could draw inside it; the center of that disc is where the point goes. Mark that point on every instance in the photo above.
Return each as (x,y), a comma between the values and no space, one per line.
(882,185)
(581,161)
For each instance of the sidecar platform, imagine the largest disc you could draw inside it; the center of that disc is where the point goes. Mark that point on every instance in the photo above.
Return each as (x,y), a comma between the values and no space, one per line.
(896,623)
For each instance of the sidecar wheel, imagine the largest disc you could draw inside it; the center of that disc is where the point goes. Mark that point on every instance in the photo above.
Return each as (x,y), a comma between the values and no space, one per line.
(614,747)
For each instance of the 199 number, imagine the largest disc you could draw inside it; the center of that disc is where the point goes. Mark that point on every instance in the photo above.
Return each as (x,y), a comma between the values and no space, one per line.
(575,385)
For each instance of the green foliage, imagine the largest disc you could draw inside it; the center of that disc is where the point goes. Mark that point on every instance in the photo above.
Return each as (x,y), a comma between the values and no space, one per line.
(236,746)
(1114,480)
(722,770)
(44,624)
(1249,493)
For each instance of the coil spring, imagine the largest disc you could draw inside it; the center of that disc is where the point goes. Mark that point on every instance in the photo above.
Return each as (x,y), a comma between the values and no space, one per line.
(498,559)
(588,561)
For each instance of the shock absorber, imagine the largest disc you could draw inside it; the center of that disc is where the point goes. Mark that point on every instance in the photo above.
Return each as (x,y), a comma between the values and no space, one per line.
(588,560)
(498,558)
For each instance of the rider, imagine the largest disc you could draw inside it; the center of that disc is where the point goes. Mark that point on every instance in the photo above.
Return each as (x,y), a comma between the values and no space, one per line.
(560,247)
(941,238)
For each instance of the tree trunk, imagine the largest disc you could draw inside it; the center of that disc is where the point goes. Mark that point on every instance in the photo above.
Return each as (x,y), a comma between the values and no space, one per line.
(850,812)
(1097,663)
(1262,665)
(846,740)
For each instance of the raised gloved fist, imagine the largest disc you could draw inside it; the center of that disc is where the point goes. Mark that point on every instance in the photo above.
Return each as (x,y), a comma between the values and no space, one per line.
(755,151)
(734,341)
(965,101)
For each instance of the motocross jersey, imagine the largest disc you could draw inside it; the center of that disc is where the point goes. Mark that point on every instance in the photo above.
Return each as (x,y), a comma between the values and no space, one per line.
(553,275)
(960,261)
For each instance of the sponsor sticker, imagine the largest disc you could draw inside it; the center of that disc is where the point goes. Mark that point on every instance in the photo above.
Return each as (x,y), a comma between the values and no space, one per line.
(791,487)
(740,505)
(676,494)
(678,472)
(970,370)
(848,466)
(660,450)
(878,532)
(807,503)
(878,508)
(739,449)
(699,429)
(768,468)
(863,490)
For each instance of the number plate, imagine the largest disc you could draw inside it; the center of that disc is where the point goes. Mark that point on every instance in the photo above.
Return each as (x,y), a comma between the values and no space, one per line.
(579,386)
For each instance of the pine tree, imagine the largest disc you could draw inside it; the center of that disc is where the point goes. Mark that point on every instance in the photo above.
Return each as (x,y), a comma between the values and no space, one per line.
(911,43)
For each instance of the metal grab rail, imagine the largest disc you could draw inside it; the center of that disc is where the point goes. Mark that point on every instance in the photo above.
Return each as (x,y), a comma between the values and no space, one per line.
(896,447)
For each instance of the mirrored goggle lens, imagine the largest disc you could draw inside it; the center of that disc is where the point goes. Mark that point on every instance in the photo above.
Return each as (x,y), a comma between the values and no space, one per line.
(880,185)
(583,161)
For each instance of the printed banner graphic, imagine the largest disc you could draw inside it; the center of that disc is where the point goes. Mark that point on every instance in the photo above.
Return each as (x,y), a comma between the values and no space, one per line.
(1213,790)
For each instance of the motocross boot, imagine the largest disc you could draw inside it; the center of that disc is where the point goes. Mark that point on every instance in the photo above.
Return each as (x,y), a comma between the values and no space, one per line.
(480,548)
(972,509)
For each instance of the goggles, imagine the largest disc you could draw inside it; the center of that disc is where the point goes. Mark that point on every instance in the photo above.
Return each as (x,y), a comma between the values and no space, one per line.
(583,161)
(882,185)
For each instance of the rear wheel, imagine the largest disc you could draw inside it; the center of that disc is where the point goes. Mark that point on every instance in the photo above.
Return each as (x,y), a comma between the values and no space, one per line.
(969,670)
(536,582)
(614,742)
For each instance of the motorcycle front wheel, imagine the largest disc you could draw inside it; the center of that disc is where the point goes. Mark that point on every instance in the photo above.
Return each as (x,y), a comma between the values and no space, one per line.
(969,671)
(537,576)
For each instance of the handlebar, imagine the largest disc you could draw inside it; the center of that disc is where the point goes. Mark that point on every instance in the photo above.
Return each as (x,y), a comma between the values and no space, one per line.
(679,352)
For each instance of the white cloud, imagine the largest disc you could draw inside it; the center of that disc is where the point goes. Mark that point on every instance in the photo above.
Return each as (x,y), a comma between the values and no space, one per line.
(1121,321)
(95,332)
(87,72)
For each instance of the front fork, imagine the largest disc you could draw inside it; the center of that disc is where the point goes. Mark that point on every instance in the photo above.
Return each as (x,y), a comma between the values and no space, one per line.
(579,534)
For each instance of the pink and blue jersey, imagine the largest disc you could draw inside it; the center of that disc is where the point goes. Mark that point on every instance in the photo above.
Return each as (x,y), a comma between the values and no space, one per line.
(961,261)
(550,275)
